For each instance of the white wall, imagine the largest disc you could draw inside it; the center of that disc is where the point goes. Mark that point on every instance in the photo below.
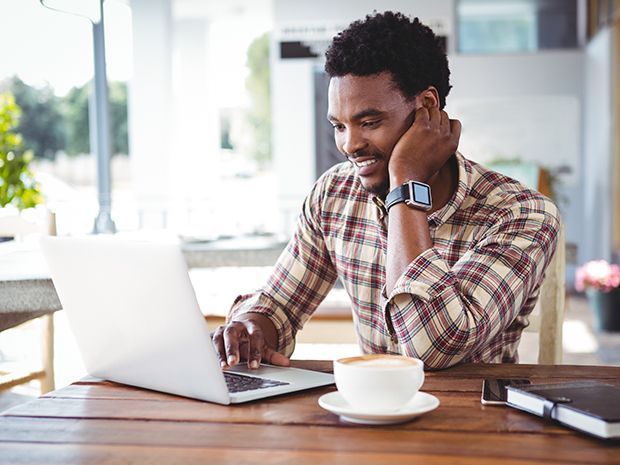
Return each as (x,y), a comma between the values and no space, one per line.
(544,104)
(350,10)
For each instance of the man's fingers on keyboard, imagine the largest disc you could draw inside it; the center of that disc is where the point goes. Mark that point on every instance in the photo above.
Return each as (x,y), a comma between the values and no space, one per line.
(232,335)
(218,341)
(255,346)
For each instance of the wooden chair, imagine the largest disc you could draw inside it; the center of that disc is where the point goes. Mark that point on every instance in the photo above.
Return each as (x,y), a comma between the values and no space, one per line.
(548,315)
(16,226)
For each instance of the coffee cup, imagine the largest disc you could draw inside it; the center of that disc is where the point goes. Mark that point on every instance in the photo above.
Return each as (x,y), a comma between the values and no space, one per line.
(379,382)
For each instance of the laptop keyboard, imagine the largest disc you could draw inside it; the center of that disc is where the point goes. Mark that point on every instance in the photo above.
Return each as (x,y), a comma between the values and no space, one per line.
(242,383)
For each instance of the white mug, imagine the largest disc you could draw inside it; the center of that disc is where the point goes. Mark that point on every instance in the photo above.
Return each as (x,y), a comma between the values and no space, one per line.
(379,382)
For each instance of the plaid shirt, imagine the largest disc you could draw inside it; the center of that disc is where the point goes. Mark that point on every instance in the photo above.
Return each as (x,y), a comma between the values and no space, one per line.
(466,299)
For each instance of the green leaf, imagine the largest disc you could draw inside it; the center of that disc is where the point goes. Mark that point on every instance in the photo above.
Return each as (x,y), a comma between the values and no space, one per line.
(17,184)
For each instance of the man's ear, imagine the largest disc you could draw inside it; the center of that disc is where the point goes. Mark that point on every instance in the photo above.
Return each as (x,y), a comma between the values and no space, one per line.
(429,97)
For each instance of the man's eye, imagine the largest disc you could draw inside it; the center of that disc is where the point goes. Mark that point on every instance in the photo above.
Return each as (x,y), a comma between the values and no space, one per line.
(338,127)
(370,124)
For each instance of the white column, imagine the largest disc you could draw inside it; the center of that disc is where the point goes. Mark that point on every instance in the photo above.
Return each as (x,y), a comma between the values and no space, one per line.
(150,107)
(292,99)
(195,115)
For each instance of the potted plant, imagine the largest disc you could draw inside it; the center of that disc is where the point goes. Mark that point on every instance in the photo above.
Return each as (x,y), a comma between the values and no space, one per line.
(601,282)
(18,188)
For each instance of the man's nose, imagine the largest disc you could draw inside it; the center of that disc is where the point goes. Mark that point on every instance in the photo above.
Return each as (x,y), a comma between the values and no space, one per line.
(353,142)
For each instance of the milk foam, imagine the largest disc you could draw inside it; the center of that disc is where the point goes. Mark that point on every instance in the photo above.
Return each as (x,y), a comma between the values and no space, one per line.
(382,363)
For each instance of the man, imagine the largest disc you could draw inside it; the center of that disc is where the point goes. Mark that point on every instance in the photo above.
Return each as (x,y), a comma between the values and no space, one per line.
(441,257)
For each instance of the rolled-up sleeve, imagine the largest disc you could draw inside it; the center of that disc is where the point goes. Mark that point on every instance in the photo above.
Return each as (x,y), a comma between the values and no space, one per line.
(302,277)
(442,314)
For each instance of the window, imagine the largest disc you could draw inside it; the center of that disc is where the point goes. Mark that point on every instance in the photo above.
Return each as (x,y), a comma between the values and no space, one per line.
(513,26)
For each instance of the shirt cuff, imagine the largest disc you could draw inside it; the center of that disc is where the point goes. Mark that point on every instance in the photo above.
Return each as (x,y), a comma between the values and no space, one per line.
(262,304)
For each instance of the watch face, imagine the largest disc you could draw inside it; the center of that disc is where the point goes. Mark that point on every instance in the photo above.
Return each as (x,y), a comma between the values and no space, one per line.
(421,194)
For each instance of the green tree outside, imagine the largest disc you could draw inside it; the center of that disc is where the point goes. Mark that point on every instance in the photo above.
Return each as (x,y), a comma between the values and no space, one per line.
(17,184)
(118,117)
(49,123)
(77,119)
(41,121)
(75,110)
(258,86)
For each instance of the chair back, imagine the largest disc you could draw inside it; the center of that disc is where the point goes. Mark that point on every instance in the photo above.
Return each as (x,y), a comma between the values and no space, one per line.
(548,315)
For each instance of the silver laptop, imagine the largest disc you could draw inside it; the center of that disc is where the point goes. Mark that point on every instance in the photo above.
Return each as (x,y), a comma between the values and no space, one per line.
(134,314)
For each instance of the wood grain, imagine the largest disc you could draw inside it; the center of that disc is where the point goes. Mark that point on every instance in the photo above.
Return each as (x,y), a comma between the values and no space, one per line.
(88,454)
(342,439)
(448,417)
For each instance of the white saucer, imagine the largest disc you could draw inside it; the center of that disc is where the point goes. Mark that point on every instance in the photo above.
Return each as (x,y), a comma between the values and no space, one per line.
(421,403)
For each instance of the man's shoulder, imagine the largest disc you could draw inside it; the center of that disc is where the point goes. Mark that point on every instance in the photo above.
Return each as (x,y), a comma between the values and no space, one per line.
(503,191)
(339,181)
(496,198)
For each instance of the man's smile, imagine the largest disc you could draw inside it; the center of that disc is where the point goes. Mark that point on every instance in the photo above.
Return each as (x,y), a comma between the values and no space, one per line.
(366,165)
(363,163)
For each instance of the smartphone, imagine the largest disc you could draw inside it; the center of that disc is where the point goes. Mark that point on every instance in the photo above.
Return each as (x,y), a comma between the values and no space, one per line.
(494,390)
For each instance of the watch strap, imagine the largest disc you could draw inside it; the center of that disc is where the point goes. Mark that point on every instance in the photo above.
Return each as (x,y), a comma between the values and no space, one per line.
(406,193)
(397,195)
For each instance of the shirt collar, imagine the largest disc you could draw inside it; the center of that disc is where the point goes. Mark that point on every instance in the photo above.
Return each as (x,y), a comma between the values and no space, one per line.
(460,194)
(380,204)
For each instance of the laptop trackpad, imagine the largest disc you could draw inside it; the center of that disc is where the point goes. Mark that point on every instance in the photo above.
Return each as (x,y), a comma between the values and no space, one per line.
(286,374)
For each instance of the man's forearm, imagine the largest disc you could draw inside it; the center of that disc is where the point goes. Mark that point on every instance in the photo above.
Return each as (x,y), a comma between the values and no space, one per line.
(408,237)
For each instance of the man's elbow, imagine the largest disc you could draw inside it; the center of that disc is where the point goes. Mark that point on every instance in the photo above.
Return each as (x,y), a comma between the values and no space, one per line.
(436,363)
(449,355)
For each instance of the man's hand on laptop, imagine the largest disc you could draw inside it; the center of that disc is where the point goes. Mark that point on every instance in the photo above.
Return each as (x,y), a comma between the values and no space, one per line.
(251,337)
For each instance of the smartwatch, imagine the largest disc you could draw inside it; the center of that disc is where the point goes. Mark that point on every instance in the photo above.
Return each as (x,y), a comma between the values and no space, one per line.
(415,195)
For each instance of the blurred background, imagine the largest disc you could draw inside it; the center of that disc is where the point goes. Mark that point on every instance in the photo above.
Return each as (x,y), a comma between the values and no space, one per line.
(217,125)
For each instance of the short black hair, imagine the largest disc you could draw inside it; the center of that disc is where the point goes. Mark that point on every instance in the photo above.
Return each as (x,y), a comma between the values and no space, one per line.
(391,42)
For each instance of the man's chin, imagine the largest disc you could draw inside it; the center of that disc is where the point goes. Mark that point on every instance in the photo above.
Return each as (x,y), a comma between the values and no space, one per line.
(378,188)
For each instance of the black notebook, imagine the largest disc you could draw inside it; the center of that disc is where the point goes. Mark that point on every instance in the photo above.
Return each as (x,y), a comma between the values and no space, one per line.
(587,406)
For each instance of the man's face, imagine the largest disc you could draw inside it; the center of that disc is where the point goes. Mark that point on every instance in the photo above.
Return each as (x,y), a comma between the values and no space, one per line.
(369,115)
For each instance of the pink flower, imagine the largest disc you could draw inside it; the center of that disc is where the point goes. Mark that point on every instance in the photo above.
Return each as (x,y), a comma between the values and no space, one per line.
(597,274)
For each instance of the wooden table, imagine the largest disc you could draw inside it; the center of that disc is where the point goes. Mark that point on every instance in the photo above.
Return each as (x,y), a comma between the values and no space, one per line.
(100,422)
